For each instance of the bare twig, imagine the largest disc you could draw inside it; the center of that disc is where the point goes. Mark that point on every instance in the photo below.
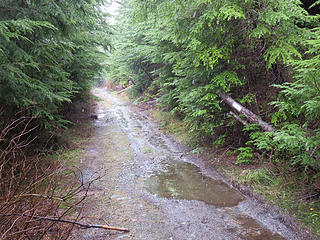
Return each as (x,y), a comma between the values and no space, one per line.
(38,195)
(311,196)
(82,225)
(32,186)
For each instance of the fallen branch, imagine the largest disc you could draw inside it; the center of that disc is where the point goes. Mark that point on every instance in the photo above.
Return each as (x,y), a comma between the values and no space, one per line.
(238,118)
(123,90)
(253,118)
(82,225)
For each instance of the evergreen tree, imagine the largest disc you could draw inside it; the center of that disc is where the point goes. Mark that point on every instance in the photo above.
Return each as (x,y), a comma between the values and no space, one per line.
(49,54)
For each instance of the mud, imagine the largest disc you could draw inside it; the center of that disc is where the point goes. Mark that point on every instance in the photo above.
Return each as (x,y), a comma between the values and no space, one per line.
(183,180)
(160,190)
(254,230)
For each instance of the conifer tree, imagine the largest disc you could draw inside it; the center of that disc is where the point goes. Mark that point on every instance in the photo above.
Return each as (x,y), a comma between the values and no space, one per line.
(49,54)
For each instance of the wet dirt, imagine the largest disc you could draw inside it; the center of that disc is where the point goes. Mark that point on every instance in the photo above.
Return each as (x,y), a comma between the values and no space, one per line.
(183,180)
(254,230)
(158,189)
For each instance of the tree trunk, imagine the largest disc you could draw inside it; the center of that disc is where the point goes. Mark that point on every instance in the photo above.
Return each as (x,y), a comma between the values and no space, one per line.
(252,118)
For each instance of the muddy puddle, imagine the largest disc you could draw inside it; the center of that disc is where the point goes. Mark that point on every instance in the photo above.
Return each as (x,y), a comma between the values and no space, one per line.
(184,180)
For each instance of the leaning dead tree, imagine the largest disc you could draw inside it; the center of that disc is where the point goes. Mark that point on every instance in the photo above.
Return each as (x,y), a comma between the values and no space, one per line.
(251,117)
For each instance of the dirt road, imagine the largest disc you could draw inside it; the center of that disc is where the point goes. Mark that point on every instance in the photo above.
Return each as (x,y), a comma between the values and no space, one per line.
(158,189)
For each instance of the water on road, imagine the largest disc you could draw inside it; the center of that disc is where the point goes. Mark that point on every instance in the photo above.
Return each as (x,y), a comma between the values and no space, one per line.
(152,185)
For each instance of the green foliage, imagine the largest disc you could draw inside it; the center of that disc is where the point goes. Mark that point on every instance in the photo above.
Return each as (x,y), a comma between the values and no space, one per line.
(220,141)
(192,49)
(49,55)
(292,143)
(245,155)
(248,98)
(259,176)
(298,139)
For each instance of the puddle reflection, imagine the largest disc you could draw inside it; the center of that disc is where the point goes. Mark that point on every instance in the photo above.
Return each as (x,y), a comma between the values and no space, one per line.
(185,181)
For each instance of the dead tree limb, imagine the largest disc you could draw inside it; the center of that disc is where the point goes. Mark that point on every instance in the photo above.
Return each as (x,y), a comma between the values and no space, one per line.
(82,225)
(123,90)
(252,118)
(245,123)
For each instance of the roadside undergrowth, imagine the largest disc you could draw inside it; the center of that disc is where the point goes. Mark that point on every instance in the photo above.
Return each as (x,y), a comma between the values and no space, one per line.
(35,190)
(38,188)
(284,190)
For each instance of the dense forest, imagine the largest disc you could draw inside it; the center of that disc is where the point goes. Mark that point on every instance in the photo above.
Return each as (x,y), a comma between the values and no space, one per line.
(241,73)
(230,68)
(49,55)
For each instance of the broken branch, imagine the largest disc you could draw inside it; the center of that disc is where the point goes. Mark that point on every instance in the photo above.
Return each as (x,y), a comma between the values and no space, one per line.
(238,118)
(123,90)
(82,225)
(253,118)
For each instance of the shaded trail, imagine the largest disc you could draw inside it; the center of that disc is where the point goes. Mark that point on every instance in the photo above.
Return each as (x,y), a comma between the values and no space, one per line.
(153,186)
